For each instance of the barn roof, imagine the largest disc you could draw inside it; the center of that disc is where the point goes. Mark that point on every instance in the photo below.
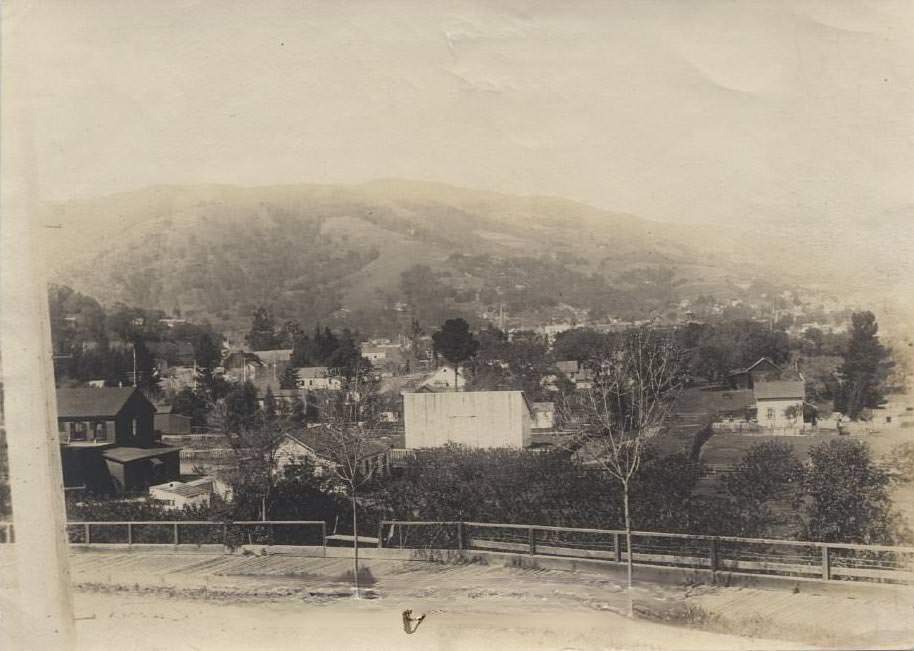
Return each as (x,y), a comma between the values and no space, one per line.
(82,402)
(127,455)
(779,389)
(323,446)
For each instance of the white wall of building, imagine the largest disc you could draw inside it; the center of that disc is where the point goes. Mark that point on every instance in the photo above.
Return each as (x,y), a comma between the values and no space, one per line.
(477,419)
(774,412)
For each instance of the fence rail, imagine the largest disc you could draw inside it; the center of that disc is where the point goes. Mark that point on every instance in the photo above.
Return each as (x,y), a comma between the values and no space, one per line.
(191,532)
(755,556)
(786,558)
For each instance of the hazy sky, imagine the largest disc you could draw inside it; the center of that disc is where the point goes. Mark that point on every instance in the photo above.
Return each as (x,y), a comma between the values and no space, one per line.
(696,111)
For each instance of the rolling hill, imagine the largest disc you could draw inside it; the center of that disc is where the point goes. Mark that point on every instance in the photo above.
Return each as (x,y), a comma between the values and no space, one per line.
(322,252)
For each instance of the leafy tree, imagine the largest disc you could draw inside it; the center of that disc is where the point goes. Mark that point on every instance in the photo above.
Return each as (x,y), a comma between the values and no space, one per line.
(579,344)
(263,335)
(848,495)
(188,402)
(241,406)
(769,473)
(269,406)
(455,343)
(289,378)
(297,411)
(255,442)
(865,368)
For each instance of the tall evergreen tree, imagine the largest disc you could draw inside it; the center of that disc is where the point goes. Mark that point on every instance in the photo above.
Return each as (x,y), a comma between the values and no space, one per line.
(262,335)
(865,368)
(269,405)
(289,378)
(455,343)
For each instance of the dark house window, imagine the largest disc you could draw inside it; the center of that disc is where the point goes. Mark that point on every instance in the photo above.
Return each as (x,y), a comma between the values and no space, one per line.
(101,433)
(79,431)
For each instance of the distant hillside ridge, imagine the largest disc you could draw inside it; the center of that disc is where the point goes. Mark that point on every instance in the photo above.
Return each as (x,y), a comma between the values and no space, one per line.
(324,253)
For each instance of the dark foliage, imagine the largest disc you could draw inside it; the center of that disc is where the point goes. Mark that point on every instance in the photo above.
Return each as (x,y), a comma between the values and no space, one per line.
(865,369)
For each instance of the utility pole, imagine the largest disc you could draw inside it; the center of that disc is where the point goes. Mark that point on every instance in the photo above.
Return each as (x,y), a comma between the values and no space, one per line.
(41,551)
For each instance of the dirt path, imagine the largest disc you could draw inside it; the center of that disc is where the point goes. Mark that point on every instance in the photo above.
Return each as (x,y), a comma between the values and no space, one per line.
(203,601)
(143,622)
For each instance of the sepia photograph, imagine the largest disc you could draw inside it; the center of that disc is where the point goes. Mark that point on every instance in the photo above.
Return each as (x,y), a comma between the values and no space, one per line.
(481,324)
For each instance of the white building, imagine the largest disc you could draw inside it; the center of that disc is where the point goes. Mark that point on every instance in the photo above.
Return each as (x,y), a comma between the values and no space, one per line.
(779,404)
(543,415)
(444,379)
(177,495)
(476,419)
(317,378)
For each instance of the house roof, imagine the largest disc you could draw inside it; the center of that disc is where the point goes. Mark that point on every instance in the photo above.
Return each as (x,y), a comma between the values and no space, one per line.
(323,446)
(305,372)
(779,389)
(567,366)
(128,455)
(239,357)
(749,369)
(274,356)
(83,402)
(176,348)
(186,490)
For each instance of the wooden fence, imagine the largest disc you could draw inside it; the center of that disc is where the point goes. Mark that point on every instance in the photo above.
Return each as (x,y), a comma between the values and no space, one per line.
(787,558)
(753,556)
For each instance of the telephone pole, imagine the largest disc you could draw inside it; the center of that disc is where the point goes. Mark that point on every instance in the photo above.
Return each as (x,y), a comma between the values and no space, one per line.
(44,617)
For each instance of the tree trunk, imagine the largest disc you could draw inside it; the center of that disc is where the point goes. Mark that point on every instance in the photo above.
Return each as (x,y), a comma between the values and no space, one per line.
(628,549)
(355,546)
(455,378)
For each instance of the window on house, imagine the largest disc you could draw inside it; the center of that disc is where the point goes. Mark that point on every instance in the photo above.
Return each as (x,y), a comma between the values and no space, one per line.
(79,431)
(133,427)
(101,433)
(770,413)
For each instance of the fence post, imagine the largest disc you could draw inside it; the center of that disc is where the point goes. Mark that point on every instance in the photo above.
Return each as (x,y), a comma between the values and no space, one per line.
(460,536)
(715,562)
(617,548)
(88,539)
(532,537)
(224,535)
(826,564)
(129,533)
(176,534)
(381,534)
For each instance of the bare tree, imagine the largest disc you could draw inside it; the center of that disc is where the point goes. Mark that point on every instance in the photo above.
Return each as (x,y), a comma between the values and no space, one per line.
(635,380)
(348,433)
(255,444)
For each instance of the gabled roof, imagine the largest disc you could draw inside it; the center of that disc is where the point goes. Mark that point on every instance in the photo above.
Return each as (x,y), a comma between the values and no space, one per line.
(239,357)
(306,372)
(749,369)
(190,489)
(85,402)
(779,389)
(278,356)
(323,446)
(127,455)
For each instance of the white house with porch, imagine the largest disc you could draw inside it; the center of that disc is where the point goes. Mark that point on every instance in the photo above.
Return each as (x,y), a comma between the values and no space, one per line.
(779,404)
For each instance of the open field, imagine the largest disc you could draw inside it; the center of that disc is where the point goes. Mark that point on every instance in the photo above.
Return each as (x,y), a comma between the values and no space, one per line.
(274,601)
